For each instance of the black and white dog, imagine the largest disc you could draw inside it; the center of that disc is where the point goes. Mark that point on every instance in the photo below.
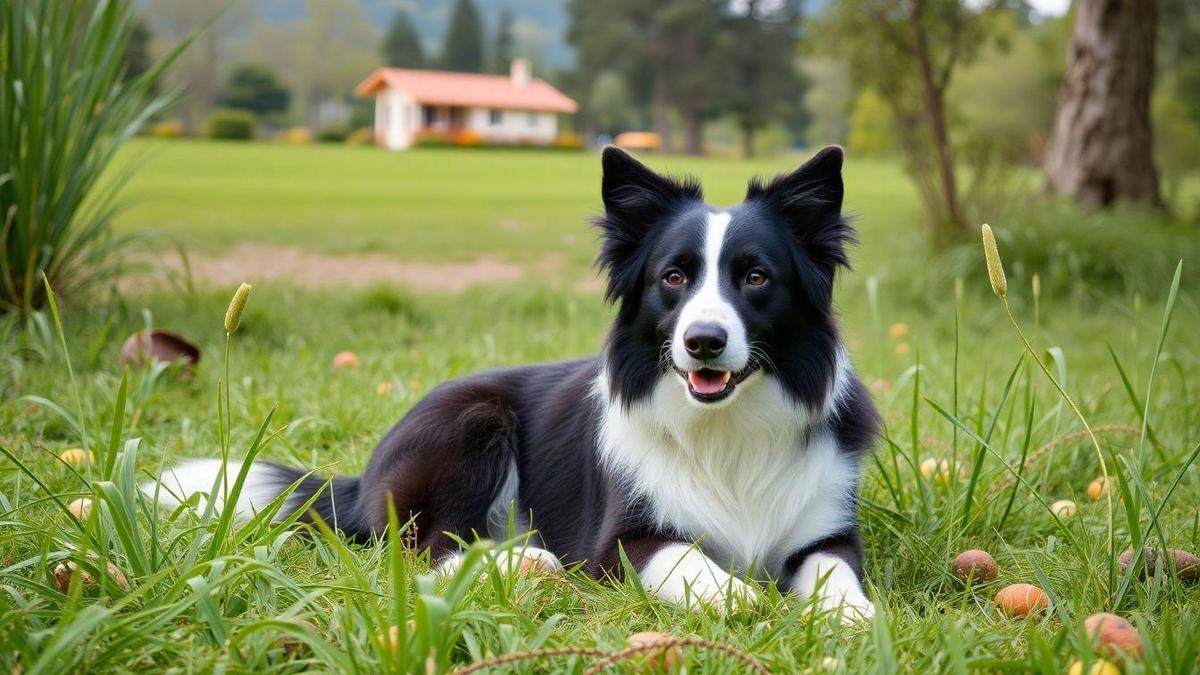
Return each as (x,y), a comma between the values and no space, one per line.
(721,430)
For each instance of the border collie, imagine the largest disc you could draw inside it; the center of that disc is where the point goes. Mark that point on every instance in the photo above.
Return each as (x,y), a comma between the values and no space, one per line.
(717,438)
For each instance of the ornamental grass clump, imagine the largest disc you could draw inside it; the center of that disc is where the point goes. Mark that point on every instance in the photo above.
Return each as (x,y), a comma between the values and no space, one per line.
(68,102)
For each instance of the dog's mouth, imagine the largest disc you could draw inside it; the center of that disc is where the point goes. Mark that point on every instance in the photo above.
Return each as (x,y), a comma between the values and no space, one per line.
(710,385)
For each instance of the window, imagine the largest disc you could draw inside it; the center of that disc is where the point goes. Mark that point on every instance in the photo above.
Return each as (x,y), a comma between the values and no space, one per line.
(495,117)
(533,119)
(428,115)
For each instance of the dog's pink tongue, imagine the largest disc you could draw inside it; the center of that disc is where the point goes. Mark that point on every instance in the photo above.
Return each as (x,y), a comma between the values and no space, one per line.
(708,381)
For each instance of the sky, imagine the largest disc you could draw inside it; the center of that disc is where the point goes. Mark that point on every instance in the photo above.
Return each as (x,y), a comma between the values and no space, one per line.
(1051,7)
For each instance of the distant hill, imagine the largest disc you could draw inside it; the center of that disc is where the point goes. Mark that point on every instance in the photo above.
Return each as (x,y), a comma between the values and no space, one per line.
(540,26)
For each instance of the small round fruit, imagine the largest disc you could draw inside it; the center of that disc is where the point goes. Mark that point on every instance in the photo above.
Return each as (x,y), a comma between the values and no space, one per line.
(80,508)
(383,388)
(1099,667)
(935,468)
(345,360)
(902,349)
(976,565)
(659,661)
(1021,599)
(1098,488)
(76,456)
(64,571)
(1186,564)
(898,330)
(1112,635)
(1063,508)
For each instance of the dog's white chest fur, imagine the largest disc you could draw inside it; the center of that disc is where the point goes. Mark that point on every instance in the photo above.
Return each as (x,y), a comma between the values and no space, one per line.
(752,480)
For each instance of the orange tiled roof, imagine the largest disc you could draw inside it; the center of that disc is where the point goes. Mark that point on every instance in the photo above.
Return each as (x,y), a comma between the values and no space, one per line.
(435,87)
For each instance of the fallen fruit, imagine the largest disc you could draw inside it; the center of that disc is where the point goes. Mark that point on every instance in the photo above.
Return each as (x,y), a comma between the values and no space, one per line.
(1099,667)
(75,456)
(1098,488)
(1063,508)
(976,565)
(663,660)
(293,645)
(902,349)
(383,388)
(1112,635)
(64,571)
(1185,564)
(1021,599)
(345,360)
(143,348)
(80,508)
(898,330)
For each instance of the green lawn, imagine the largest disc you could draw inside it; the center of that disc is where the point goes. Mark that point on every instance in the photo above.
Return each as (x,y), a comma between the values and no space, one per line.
(203,598)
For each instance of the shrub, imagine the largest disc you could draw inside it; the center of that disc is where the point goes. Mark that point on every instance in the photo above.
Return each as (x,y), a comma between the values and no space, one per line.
(295,136)
(468,138)
(433,139)
(568,140)
(68,101)
(230,125)
(165,130)
(332,135)
(361,136)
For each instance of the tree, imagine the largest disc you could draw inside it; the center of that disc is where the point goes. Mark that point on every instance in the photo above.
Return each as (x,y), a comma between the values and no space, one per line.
(256,88)
(756,49)
(908,51)
(504,45)
(462,50)
(1101,149)
(611,106)
(665,45)
(402,45)
(137,55)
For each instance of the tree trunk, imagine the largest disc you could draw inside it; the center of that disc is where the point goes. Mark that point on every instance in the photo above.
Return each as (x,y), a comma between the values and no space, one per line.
(1101,148)
(747,141)
(660,102)
(954,222)
(694,127)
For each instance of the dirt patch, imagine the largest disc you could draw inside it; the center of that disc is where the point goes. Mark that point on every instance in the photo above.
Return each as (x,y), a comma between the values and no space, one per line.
(261,263)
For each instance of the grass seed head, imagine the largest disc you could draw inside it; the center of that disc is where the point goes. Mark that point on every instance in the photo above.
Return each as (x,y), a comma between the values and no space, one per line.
(995,268)
(233,315)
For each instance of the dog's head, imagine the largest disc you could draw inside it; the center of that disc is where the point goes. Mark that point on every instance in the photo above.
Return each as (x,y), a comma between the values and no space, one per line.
(713,297)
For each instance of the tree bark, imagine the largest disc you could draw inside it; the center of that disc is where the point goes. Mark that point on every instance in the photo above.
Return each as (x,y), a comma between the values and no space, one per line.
(747,141)
(660,103)
(1101,148)
(935,102)
(694,127)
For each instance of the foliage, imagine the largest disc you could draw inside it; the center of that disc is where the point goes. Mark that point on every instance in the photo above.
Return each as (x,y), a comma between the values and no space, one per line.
(256,88)
(871,131)
(333,135)
(611,109)
(230,125)
(908,52)
(462,50)
(401,44)
(504,45)
(755,47)
(165,130)
(828,100)
(361,136)
(295,136)
(67,104)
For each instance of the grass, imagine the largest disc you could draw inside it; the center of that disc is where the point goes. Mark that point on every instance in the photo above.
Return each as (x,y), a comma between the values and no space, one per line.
(954,381)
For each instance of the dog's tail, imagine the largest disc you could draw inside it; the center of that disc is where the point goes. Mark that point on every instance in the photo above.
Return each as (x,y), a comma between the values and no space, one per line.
(338,502)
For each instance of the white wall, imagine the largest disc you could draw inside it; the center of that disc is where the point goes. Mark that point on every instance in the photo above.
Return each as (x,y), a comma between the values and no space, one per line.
(396,119)
(513,125)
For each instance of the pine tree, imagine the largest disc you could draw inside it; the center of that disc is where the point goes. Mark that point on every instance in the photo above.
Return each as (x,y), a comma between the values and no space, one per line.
(463,49)
(402,45)
(503,50)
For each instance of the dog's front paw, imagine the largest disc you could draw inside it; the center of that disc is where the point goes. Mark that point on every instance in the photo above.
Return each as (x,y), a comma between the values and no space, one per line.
(836,588)
(853,607)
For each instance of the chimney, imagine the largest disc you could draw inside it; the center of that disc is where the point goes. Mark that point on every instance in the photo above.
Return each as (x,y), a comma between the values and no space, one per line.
(519,72)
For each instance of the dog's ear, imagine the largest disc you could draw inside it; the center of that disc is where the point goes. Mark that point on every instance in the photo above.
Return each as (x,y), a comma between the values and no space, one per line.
(809,199)
(636,199)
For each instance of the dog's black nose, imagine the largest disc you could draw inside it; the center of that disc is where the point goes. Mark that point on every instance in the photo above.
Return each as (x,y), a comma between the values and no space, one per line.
(704,340)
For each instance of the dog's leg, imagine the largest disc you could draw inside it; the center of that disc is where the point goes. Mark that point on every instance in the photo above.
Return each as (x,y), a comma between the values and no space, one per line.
(678,572)
(832,571)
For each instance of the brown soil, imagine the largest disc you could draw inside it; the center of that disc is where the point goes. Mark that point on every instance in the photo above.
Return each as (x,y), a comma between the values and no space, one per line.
(262,262)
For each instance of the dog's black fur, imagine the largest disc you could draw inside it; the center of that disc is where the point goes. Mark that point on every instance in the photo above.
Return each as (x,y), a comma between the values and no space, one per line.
(446,461)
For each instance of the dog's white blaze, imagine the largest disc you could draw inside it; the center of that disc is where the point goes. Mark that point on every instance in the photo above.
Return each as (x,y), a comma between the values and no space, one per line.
(679,573)
(836,585)
(178,484)
(753,481)
(707,306)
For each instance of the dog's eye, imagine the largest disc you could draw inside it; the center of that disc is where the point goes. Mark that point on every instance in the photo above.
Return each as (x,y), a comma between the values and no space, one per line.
(756,278)
(674,278)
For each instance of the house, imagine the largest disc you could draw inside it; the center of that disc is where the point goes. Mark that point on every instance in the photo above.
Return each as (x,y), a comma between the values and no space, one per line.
(517,108)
